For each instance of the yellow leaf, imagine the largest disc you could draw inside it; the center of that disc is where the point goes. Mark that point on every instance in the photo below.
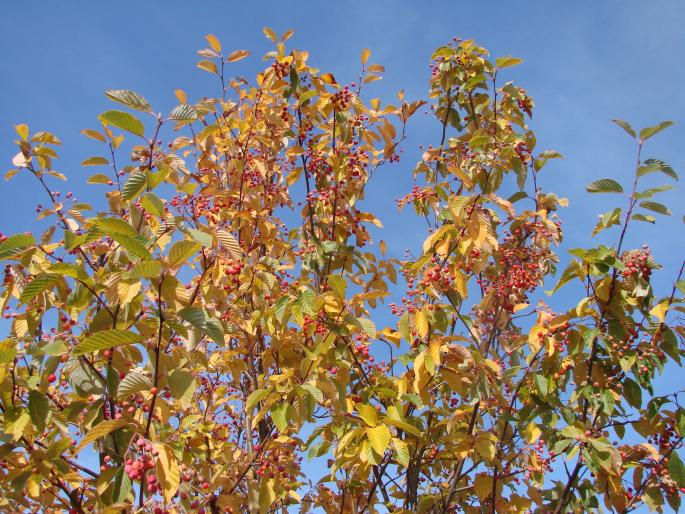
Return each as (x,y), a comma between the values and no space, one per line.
(181,96)
(366,53)
(434,350)
(368,413)
(238,55)
(270,34)
(659,312)
(99,431)
(167,471)
(22,130)
(486,449)
(328,78)
(421,374)
(421,323)
(213,42)
(379,438)
(532,432)
(207,66)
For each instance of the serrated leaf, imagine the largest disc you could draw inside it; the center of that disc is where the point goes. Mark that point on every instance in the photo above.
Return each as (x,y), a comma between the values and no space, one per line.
(314,392)
(626,126)
(379,438)
(152,204)
(112,226)
(182,385)
(37,286)
(648,132)
(181,251)
(106,339)
(133,245)
(183,112)
(676,469)
(124,121)
(230,243)
(368,326)
(167,471)
(208,66)
(39,409)
(95,161)
(99,431)
(129,98)
(132,383)
(135,183)
(146,269)
(652,165)
(237,55)
(400,452)
(279,415)
(368,413)
(121,486)
(656,207)
(256,397)
(605,185)
(15,244)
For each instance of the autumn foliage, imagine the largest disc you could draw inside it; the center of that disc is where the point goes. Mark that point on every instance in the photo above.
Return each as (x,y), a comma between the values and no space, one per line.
(187,345)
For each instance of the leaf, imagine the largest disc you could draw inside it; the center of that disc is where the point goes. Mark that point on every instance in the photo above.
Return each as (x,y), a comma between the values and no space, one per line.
(366,53)
(643,217)
(106,339)
(676,469)
(99,431)
(121,487)
(213,42)
(167,471)
(93,134)
(200,319)
(134,185)
(182,385)
(656,207)
(146,269)
(421,323)
(37,286)
(400,452)
(208,66)
(95,161)
(279,415)
(181,251)
(132,383)
(237,55)
(506,62)
(632,392)
(124,121)
(256,397)
(270,34)
(39,409)
(152,204)
(605,185)
(379,438)
(129,99)
(659,311)
(648,132)
(626,126)
(543,384)
(15,244)
(183,112)
(112,226)
(230,243)
(368,413)
(133,245)
(368,326)
(652,165)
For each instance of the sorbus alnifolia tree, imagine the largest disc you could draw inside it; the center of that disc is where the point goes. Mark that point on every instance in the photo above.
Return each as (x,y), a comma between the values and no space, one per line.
(185,345)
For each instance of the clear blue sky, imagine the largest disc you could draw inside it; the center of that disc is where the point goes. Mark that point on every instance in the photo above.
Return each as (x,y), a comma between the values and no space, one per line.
(585,63)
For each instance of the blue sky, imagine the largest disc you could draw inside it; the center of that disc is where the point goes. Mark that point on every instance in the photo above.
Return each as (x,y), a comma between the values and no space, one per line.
(585,63)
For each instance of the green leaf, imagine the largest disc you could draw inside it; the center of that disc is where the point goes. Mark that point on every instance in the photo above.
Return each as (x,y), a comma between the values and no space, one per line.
(129,99)
(95,161)
(133,245)
(132,383)
(338,284)
(543,384)
(39,409)
(15,244)
(279,415)
(134,185)
(626,126)
(146,269)
(183,112)
(124,121)
(643,217)
(656,207)
(98,178)
(106,339)
(314,392)
(632,392)
(112,226)
(152,204)
(676,469)
(182,385)
(648,132)
(99,431)
(652,165)
(121,486)
(367,326)
(38,285)
(379,438)
(200,319)
(256,397)
(605,185)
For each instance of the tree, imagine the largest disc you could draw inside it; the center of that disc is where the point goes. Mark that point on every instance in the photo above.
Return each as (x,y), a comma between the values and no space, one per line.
(211,325)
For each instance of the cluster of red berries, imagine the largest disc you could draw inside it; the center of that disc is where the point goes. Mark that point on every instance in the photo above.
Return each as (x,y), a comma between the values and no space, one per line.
(316,324)
(136,468)
(342,99)
(637,263)
(418,196)
(521,149)
(281,69)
